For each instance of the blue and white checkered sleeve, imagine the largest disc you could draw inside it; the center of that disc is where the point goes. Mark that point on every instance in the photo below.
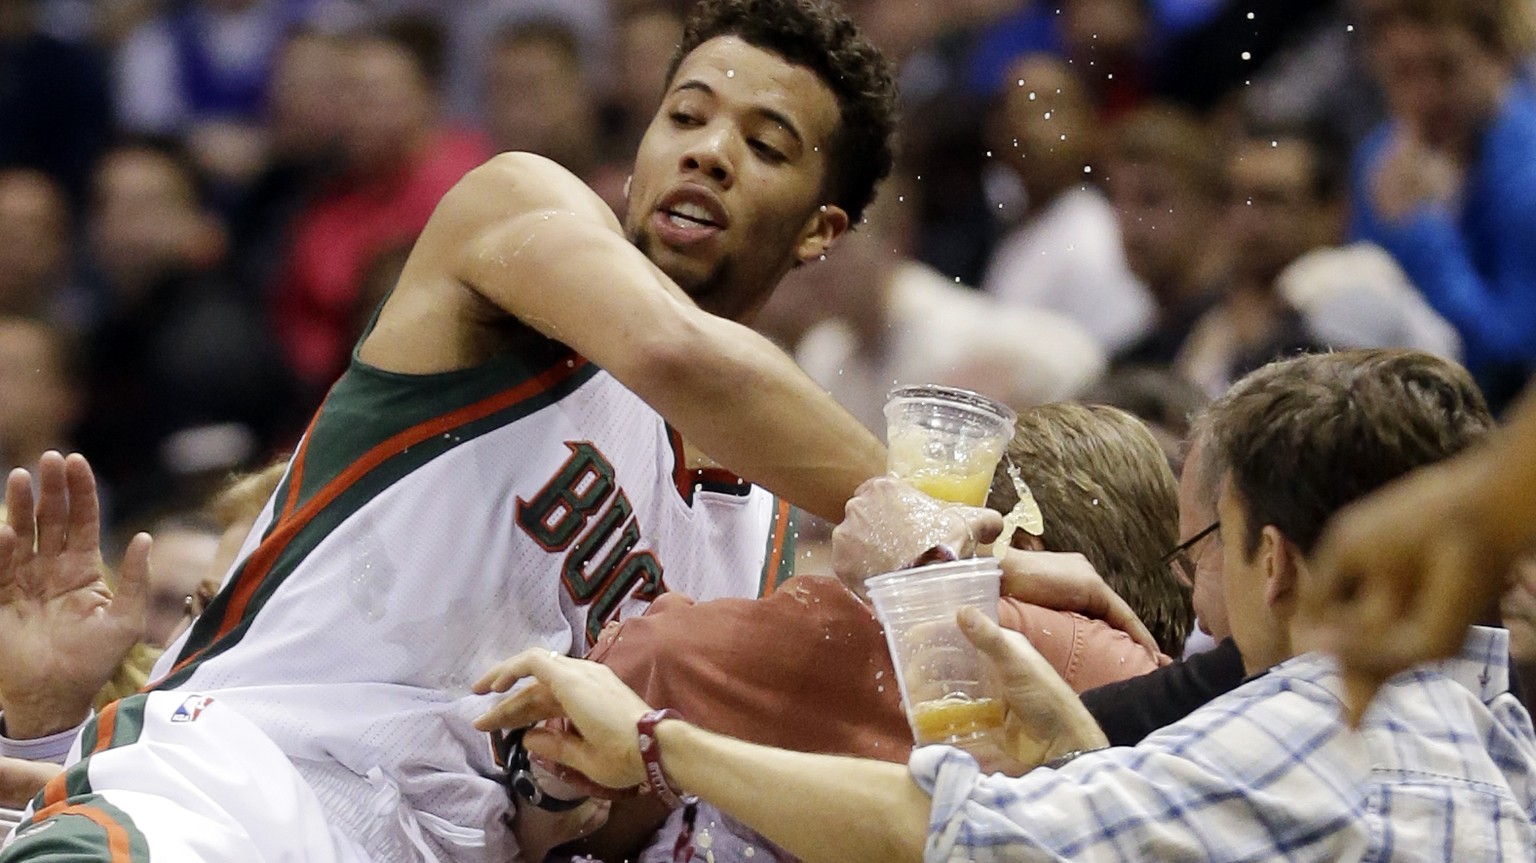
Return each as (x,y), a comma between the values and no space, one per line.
(1229,784)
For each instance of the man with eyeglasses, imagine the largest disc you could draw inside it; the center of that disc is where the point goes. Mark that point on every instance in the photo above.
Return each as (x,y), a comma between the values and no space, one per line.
(1131,709)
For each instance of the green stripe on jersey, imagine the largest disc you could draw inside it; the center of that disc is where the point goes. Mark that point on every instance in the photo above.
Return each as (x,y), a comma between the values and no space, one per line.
(75,837)
(365,489)
(368,406)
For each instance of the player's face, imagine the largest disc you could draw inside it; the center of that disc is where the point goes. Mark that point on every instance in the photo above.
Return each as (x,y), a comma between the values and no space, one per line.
(727,192)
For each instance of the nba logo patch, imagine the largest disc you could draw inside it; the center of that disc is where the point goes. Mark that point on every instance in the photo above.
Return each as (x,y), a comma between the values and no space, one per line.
(191,708)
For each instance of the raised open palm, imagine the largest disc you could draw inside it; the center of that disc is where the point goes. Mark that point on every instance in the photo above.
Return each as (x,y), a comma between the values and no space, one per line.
(62,630)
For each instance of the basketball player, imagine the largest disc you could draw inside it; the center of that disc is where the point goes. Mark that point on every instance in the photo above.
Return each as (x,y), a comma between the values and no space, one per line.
(502,466)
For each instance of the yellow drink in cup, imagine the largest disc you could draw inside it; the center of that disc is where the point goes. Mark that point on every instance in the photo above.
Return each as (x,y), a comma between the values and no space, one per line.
(953,718)
(946,442)
(946,697)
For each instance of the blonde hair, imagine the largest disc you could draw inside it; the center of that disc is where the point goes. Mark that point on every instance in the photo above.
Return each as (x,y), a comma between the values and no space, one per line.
(1105,490)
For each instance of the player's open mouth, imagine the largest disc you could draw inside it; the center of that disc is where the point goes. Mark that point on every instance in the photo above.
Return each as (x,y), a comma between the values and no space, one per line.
(690,216)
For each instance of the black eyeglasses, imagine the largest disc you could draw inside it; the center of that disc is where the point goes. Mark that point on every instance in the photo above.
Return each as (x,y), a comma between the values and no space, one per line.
(1179,556)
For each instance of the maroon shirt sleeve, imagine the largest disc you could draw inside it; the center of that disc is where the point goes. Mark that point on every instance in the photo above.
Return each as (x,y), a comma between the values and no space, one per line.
(804,669)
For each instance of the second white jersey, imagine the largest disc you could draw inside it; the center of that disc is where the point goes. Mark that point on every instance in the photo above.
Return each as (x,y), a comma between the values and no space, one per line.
(430,526)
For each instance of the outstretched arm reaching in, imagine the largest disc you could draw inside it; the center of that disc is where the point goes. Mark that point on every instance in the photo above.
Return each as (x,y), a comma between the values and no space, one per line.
(825,808)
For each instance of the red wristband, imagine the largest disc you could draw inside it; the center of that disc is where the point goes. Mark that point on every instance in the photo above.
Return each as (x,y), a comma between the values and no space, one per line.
(650,753)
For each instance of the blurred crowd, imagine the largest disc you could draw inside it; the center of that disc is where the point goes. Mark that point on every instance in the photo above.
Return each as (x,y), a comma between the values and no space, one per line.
(1133,201)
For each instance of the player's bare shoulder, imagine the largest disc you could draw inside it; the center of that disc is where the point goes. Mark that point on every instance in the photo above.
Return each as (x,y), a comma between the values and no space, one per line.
(437,318)
(515,184)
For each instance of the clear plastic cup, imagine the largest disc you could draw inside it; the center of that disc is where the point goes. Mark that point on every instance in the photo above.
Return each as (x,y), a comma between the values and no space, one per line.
(946,442)
(939,671)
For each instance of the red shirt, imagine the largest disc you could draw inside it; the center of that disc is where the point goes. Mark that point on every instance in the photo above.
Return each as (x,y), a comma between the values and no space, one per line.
(339,236)
(807,668)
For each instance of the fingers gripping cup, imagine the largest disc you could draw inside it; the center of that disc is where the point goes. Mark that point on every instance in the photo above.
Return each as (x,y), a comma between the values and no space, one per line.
(939,671)
(946,442)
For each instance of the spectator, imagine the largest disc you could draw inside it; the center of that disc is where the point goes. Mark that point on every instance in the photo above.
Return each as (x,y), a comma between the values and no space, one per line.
(1279,206)
(304,120)
(182,379)
(200,61)
(1158,397)
(398,161)
(1110,44)
(55,111)
(869,318)
(34,245)
(1163,172)
(1441,768)
(471,26)
(201,69)
(647,35)
(754,669)
(1445,185)
(40,393)
(538,99)
(1063,254)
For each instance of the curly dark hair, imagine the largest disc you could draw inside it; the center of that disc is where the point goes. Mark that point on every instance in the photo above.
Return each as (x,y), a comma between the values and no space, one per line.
(816,34)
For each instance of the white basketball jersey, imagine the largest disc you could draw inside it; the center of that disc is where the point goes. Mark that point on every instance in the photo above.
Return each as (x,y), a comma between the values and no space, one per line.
(430,526)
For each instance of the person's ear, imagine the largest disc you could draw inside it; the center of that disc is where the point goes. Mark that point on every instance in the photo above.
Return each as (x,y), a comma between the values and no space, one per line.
(1281,562)
(821,232)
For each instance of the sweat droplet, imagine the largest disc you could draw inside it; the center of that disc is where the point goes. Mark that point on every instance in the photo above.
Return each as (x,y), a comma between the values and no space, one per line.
(730,73)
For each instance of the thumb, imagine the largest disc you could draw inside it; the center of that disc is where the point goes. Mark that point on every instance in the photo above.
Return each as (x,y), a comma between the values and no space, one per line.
(984,524)
(132,596)
(979,629)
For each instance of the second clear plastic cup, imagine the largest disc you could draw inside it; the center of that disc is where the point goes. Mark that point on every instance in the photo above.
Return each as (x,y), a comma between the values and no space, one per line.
(946,442)
(939,671)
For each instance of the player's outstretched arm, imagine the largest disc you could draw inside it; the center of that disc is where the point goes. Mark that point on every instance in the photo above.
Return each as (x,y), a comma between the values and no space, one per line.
(1399,576)
(553,256)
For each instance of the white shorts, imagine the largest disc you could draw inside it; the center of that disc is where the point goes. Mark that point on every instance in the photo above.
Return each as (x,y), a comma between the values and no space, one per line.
(180,777)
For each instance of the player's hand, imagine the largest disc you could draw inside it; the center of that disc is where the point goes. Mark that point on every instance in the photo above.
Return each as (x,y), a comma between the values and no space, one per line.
(62,631)
(889,523)
(20,780)
(1066,581)
(1045,719)
(602,742)
(1398,577)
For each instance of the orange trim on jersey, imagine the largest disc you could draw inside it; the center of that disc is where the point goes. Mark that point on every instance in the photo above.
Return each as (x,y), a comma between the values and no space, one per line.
(296,474)
(117,836)
(106,723)
(259,565)
(54,795)
(776,559)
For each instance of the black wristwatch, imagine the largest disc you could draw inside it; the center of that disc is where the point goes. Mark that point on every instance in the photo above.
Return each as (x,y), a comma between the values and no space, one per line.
(518,775)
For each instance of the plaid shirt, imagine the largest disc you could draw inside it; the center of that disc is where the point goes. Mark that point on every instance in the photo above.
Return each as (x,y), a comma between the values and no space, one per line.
(1444,768)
